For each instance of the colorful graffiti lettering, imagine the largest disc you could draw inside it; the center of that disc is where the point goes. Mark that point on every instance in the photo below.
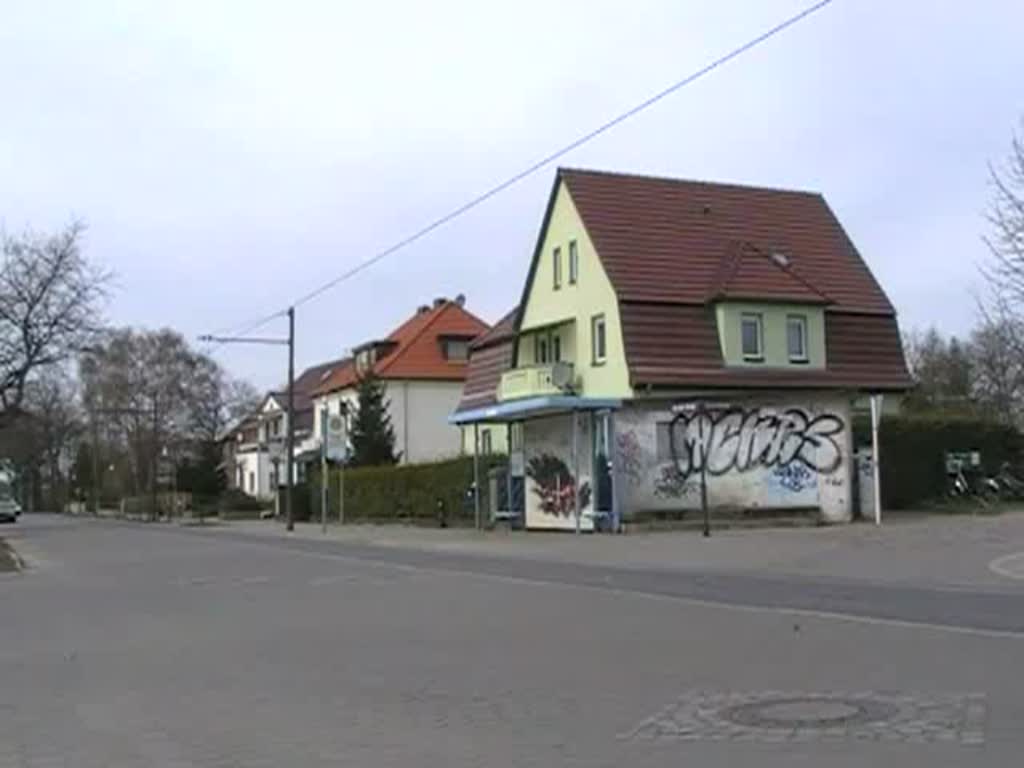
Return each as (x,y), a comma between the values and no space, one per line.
(555,486)
(794,477)
(738,440)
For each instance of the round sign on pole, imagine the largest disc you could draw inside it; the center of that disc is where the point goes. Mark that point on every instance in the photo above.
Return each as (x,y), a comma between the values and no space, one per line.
(335,437)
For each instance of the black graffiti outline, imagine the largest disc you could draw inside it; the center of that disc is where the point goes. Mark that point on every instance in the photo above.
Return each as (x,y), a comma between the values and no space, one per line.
(792,432)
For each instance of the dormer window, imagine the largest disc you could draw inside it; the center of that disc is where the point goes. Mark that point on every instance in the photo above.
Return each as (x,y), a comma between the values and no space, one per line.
(752,337)
(456,350)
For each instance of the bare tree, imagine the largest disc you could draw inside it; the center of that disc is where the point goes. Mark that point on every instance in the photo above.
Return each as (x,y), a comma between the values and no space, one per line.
(51,399)
(50,299)
(154,394)
(1006,218)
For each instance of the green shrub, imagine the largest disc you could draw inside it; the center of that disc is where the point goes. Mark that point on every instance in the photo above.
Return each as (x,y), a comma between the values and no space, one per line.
(407,493)
(234,500)
(913,450)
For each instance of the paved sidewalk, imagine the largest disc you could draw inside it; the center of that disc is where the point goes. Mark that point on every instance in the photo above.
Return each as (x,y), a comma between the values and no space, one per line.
(937,550)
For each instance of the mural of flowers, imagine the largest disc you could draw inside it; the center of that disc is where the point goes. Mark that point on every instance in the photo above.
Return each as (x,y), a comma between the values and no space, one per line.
(554,485)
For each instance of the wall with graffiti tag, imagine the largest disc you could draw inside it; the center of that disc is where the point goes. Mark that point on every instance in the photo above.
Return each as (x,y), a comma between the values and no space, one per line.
(551,480)
(772,454)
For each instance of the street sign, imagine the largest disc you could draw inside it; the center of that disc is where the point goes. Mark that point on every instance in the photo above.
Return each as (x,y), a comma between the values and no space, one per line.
(336,438)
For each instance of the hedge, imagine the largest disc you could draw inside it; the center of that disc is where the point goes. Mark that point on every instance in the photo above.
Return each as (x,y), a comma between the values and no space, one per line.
(406,493)
(914,447)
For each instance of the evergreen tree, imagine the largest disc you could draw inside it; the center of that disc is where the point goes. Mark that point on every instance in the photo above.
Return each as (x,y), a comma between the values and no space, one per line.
(373,438)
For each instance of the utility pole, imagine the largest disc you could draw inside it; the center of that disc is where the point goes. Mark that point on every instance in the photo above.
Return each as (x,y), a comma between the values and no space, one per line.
(290,341)
(290,459)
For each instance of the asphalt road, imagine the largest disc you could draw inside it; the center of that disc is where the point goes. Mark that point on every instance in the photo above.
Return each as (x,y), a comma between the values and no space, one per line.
(134,645)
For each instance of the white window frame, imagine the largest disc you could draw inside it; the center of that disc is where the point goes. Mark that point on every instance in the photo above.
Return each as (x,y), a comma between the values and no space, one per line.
(801,321)
(758,320)
(574,262)
(598,357)
(486,442)
(556,273)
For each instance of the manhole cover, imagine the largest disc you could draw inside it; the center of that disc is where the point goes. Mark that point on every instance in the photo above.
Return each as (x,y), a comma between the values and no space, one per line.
(802,712)
(802,716)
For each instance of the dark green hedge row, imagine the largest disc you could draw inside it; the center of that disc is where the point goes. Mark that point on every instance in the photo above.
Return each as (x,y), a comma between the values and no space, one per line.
(913,449)
(406,493)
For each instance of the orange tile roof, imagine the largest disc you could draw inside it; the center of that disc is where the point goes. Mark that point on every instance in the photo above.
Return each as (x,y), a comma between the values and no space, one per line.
(417,352)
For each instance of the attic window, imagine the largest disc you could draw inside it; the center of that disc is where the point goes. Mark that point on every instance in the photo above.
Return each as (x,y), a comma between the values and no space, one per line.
(456,350)
(780,258)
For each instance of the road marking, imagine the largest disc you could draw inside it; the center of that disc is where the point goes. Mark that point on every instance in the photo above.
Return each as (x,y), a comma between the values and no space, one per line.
(1011,566)
(531,581)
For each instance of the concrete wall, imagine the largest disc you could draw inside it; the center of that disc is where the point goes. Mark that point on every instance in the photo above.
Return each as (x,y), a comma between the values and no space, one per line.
(550,473)
(775,452)
(573,305)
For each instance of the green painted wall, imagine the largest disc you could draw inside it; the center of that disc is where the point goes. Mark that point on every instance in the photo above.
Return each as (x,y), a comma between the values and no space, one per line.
(573,306)
(774,324)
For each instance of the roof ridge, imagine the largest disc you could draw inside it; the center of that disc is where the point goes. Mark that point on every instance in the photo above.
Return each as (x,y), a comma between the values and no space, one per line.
(691,181)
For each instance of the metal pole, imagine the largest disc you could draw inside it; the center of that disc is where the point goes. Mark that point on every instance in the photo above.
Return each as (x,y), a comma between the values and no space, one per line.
(876,417)
(156,453)
(323,471)
(290,460)
(508,470)
(576,471)
(476,475)
(95,466)
(703,473)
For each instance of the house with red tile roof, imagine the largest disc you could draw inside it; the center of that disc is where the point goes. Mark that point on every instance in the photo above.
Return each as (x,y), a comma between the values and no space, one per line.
(678,340)
(422,365)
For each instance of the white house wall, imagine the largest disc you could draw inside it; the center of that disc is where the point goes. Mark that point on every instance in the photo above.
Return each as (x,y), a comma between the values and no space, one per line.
(419,412)
(771,453)
(257,464)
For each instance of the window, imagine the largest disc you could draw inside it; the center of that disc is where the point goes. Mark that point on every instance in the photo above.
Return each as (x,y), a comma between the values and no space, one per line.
(515,436)
(597,339)
(751,337)
(540,349)
(456,349)
(556,348)
(574,263)
(485,441)
(796,338)
(252,482)
(557,267)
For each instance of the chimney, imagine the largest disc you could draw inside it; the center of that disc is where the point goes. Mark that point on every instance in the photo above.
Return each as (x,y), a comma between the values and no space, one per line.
(439,301)
(461,299)
(422,308)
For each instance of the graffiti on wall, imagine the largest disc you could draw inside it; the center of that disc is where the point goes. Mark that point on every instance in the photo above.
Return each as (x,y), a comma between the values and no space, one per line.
(739,440)
(555,486)
(794,477)
(630,455)
(673,484)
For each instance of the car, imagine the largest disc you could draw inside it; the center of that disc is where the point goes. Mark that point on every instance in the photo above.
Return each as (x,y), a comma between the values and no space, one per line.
(10,510)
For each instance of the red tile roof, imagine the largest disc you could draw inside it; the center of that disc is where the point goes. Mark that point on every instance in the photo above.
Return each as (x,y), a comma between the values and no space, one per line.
(490,356)
(417,352)
(665,239)
(749,273)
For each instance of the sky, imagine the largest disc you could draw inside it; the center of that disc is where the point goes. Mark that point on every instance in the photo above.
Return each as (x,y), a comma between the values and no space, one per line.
(229,157)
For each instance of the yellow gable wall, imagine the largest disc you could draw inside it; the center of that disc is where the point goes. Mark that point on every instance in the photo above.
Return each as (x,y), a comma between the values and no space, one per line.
(577,304)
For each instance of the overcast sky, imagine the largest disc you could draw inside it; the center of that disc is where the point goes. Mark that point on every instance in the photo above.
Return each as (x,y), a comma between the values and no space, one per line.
(230,156)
